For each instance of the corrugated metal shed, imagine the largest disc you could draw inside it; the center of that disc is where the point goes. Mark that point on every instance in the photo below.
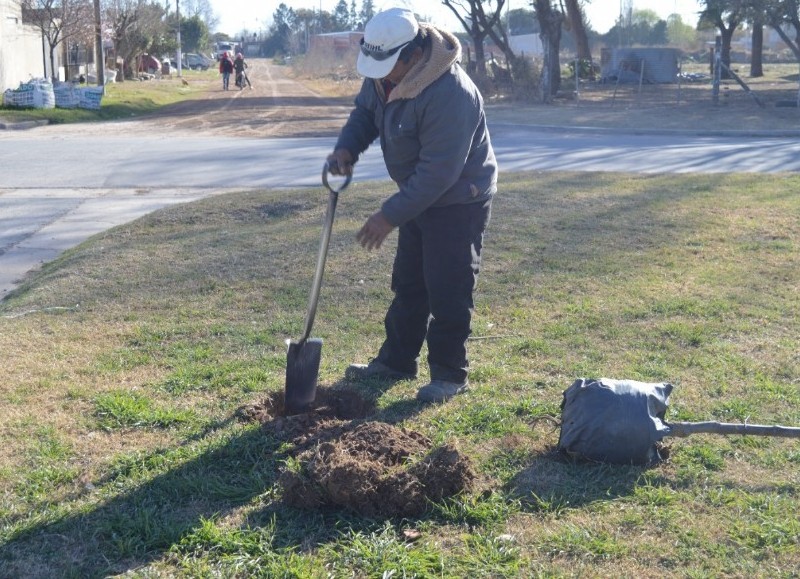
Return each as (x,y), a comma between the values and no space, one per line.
(653,65)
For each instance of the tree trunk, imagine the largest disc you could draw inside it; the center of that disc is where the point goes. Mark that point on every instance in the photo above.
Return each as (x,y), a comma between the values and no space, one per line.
(726,33)
(545,84)
(480,55)
(65,60)
(497,32)
(550,25)
(757,50)
(100,64)
(727,37)
(53,71)
(575,17)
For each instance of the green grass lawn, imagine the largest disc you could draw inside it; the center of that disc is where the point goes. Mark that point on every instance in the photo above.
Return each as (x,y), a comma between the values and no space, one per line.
(126,361)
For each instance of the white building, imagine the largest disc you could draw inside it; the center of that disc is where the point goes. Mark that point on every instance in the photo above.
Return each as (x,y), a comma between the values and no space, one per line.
(529,45)
(23,55)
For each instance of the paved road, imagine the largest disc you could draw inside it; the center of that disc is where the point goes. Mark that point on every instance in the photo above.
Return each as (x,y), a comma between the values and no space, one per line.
(212,161)
(57,189)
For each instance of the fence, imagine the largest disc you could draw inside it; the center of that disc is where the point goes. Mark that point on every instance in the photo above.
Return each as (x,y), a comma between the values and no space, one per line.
(693,84)
(638,80)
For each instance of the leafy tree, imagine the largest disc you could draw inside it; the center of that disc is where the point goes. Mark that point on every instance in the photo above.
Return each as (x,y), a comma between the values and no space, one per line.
(304,25)
(678,33)
(341,16)
(58,20)
(522,21)
(367,11)
(638,27)
(327,22)
(284,23)
(644,17)
(200,8)
(726,16)
(194,34)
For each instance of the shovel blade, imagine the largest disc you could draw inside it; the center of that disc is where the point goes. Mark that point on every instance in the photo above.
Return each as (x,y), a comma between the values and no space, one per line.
(302,371)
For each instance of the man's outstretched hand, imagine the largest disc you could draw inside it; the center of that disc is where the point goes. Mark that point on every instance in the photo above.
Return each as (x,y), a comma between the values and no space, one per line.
(374,231)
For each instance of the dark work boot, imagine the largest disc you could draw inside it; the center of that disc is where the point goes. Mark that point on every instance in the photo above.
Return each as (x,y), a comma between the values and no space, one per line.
(375,370)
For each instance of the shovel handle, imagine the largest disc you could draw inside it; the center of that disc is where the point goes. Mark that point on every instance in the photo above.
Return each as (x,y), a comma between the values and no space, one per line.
(682,429)
(313,300)
(327,169)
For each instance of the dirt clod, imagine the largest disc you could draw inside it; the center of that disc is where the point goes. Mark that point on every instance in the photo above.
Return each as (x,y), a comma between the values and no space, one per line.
(344,460)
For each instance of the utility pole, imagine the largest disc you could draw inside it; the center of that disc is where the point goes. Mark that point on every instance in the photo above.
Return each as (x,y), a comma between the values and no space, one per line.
(100,65)
(178,14)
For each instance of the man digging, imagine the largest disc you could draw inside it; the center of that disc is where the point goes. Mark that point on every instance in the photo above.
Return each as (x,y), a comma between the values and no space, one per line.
(430,120)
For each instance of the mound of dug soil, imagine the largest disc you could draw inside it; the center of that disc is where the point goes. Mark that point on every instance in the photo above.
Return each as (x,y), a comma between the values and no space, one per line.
(377,469)
(371,468)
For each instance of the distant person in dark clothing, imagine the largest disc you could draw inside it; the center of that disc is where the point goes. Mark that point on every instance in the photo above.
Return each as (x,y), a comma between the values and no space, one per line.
(241,76)
(226,68)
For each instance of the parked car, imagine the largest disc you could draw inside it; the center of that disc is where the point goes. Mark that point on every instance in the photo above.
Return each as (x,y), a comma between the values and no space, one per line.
(196,61)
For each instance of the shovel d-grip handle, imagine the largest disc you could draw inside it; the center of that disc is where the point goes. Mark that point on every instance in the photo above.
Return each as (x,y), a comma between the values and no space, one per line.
(326,168)
(313,300)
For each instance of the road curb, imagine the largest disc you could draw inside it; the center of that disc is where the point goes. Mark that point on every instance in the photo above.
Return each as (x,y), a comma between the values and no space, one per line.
(22,125)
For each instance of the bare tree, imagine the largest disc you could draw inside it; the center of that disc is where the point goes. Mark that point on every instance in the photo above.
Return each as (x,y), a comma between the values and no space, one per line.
(136,27)
(202,9)
(480,23)
(467,14)
(57,20)
(492,23)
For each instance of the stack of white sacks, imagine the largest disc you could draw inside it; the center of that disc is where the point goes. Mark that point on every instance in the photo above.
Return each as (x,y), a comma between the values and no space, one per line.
(39,93)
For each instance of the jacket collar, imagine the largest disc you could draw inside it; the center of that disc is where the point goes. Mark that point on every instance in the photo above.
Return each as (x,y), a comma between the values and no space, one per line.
(444,51)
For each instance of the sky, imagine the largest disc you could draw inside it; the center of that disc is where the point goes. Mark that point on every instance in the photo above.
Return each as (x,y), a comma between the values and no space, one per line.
(255,15)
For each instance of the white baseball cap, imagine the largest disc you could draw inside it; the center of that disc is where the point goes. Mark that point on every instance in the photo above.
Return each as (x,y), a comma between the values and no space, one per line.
(384,37)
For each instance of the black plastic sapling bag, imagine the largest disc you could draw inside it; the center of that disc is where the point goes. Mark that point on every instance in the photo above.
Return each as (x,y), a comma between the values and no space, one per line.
(615,421)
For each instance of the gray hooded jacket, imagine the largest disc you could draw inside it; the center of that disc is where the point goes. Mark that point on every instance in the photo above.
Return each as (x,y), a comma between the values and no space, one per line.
(432,131)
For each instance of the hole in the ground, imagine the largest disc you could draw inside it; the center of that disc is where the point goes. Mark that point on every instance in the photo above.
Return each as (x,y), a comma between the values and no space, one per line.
(328,403)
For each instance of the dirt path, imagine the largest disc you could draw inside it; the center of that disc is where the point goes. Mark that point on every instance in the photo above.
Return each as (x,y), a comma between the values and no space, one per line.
(275,106)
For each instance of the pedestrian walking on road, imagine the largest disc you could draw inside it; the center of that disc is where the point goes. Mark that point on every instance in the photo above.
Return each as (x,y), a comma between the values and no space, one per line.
(239,65)
(226,69)
(429,118)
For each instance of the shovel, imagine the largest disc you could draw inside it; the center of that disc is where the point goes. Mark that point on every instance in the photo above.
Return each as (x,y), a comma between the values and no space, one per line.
(303,357)
(620,422)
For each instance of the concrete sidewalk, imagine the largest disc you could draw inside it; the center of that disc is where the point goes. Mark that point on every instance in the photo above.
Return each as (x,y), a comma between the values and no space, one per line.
(57,220)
